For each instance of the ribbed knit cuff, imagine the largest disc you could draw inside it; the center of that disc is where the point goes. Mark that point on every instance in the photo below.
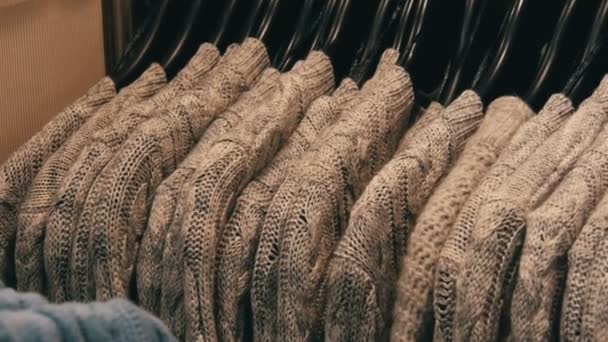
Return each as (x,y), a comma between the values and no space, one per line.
(345,93)
(557,107)
(503,116)
(148,82)
(100,92)
(396,87)
(600,95)
(266,82)
(249,59)
(202,61)
(316,73)
(463,116)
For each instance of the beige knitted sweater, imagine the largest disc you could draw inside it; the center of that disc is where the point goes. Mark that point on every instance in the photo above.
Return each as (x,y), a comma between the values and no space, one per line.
(491,260)
(149,259)
(17,173)
(550,232)
(237,245)
(172,310)
(33,213)
(286,291)
(116,209)
(583,312)
(413,309)
(449,265)
(231,163)
(64,217)
(361,275)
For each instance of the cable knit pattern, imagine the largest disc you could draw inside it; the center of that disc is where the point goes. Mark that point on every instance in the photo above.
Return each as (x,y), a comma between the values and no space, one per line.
(286,294)
(149,260)
(238,243)
(19,170)
(365,264)
(63,219)
(117,206)
(550,232)
(232,162)
(583,259)
(413,309)
(37,203)
(449,265)
(490,262)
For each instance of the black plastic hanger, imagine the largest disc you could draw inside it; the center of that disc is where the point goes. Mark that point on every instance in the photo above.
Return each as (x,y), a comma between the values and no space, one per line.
(188,38)
(221,29)
(426,37)
(143,50)
(474,11)
(560,53)
(306,25)
(375,41)
(342,24)
(592,65)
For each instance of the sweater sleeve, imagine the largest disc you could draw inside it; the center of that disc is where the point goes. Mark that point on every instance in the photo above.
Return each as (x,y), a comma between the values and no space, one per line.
(149,260)
(238,243)
(550,232)
(36,205)
(520,147)
(362,271)
(491,260)
(19,170)
(62,224)
(413,310)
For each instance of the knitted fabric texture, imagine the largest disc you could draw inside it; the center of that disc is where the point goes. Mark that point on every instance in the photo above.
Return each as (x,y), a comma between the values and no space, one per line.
(550,232)
(232,162)
(172,310)
(238,243)
(491,260)
(29,317)
(583,310)
(432,112)
(286,291)
(62,223)
(413,310)
(17,173)
(365,264)
(117,206)
(37,203)
(449,265)
(149,260)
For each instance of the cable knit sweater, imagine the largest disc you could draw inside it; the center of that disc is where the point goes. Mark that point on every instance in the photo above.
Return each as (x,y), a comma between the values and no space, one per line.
(116,209)
(171,268)
(29,317)
(17,173)
(449,265)
(237,245)
(64,216)
(585,260)
(331,177)
(550,232)
(231,163)
(413,309)
(149,260)
(583,310)
(365,264)
(491,261)
(33,212)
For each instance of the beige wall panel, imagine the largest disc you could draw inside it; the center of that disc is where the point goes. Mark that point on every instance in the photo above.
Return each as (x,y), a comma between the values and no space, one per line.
(51,52)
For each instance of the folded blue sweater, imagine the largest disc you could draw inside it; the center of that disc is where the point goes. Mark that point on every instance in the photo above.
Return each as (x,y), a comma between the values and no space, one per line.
(29,317)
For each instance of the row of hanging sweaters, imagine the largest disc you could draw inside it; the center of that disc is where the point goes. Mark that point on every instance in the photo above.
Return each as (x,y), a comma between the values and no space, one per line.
(236,202)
